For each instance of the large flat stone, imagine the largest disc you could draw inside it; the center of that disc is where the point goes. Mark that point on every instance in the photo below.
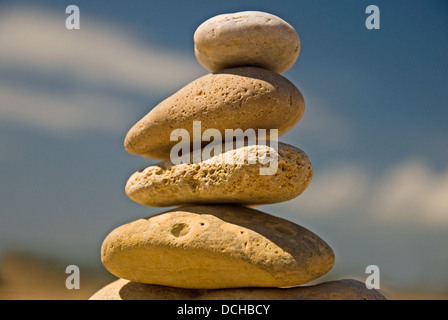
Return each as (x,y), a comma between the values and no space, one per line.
(216,246)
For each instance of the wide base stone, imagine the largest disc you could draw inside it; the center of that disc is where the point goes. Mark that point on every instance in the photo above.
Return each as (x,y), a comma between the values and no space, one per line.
(335,290)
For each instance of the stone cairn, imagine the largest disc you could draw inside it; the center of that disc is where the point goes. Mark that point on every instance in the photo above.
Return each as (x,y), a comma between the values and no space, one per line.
(215,245)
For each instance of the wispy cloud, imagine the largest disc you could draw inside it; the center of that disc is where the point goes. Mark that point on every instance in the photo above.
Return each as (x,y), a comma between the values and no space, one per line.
(99,55)
(37,41)
(63,113)
(334,189)
(412,191)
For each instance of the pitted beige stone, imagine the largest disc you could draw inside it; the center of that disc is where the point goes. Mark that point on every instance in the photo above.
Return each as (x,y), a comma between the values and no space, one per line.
(216,181)
(249,38)
(335,290)
(239,98)
(216,246)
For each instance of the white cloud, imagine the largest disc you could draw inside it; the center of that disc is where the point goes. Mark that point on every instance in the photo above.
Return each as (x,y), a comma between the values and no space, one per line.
(97,56)
(409,192)
(37,41)
(62,113)
(412,192)
(334,189)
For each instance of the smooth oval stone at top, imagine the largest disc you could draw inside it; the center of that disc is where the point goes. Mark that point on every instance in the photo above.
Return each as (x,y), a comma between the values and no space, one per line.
(225,178)
(249,38)
(238,98)
(216,246)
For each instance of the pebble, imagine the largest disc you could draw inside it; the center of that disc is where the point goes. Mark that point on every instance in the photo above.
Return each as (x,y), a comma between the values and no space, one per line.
(225,178)
(216,246)
(248,38)
(239,98)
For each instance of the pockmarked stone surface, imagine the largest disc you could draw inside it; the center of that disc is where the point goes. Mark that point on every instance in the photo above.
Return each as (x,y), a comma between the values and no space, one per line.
(249,38)
(335,290)
(228,177)
(216,246)
(238,98)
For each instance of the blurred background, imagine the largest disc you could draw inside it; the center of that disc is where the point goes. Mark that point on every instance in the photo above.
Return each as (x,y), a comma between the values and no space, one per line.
(375,128)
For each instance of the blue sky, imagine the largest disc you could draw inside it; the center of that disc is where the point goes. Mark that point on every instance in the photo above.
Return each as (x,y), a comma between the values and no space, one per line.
(375,125)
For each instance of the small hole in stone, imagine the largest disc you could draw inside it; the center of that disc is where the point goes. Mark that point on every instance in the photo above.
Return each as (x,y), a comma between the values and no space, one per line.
(180,230)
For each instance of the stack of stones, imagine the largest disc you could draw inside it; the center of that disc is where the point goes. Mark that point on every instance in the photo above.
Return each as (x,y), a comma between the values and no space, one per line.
(214,238)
